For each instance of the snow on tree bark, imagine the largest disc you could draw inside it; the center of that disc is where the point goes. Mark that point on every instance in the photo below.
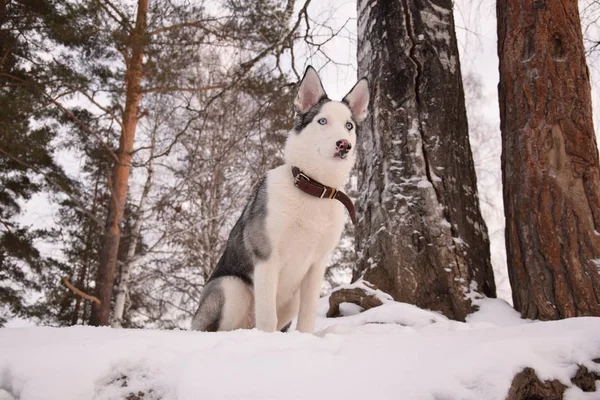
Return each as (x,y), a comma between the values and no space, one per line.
(550,173)
(421,237)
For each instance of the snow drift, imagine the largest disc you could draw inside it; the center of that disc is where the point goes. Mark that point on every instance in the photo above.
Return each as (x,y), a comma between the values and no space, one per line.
(395,351)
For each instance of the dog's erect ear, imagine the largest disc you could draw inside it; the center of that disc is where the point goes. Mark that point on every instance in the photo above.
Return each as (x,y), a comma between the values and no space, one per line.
(310,91)
(358,99)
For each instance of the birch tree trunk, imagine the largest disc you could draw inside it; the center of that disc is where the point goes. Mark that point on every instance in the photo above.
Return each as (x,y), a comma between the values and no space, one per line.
(550,173)
(421,236)
(120,179)
(136,232)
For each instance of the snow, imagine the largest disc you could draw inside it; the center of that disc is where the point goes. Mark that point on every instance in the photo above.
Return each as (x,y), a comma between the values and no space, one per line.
(459,242)
(393,351)
(366,287)
(424,184)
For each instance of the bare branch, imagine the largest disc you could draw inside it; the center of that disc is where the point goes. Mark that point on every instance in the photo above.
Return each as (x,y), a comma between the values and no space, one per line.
(167,89)
(192,24)
(79,292)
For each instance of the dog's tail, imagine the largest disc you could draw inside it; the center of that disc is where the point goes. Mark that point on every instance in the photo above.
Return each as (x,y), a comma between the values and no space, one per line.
(226,304)
(210,310)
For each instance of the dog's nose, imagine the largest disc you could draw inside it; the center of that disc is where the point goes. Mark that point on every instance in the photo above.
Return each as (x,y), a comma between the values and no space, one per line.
(343,146)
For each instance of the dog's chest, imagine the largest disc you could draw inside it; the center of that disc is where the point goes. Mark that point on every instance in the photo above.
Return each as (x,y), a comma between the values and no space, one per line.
(303,229)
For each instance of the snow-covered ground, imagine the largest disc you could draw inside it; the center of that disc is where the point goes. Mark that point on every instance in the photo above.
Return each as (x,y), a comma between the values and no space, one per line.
(395,351)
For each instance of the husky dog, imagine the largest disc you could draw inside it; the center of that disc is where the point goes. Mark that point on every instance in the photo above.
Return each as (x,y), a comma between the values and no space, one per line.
(273,265)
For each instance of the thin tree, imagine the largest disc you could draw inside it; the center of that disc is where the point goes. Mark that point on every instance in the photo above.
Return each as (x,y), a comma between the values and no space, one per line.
(119,183)
(550,172)
(132,245)
(421,236)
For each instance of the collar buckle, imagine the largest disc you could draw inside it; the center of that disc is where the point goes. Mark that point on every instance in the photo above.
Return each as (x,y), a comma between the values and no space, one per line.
(300,175)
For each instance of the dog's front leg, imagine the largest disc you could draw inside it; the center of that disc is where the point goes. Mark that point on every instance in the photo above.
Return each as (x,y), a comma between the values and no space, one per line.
(309,297)
(266,277)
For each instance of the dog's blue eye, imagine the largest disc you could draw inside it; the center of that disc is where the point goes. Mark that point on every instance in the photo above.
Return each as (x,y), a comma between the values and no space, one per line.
(322,121)
(349,126)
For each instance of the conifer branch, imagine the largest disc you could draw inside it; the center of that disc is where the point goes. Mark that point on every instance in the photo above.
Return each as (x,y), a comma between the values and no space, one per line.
(94,102)
(85,128)
(245,66)
(71,116)
(123,21)
(6,225)
(56,184)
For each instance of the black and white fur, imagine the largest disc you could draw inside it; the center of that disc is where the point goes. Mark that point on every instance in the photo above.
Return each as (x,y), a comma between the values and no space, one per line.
(273,265)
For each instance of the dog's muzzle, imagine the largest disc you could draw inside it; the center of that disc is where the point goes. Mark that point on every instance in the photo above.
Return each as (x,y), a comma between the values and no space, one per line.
(343,147)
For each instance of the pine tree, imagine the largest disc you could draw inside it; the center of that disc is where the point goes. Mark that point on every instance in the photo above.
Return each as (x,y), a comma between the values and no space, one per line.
(550,171)
(27,166)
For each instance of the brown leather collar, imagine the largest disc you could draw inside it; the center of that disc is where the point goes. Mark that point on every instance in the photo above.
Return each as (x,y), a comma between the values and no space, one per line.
(317,189)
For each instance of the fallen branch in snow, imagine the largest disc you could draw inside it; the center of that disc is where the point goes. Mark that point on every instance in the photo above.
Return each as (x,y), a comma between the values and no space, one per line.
(358,293)
(79,292)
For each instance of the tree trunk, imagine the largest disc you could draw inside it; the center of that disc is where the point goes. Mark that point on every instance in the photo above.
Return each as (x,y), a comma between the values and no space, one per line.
(87,259)
(550,172)
(120,179)
(421,237)
(136,231)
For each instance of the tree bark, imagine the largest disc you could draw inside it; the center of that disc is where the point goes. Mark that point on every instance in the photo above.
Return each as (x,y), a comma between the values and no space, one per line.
(120,179)
(526,385)
(550,173)
(421,237)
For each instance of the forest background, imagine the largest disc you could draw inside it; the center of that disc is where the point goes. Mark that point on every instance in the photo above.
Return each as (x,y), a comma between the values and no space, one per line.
(200,147)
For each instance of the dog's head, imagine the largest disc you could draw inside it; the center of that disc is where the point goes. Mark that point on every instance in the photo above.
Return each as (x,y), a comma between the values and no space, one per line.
(323,141)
